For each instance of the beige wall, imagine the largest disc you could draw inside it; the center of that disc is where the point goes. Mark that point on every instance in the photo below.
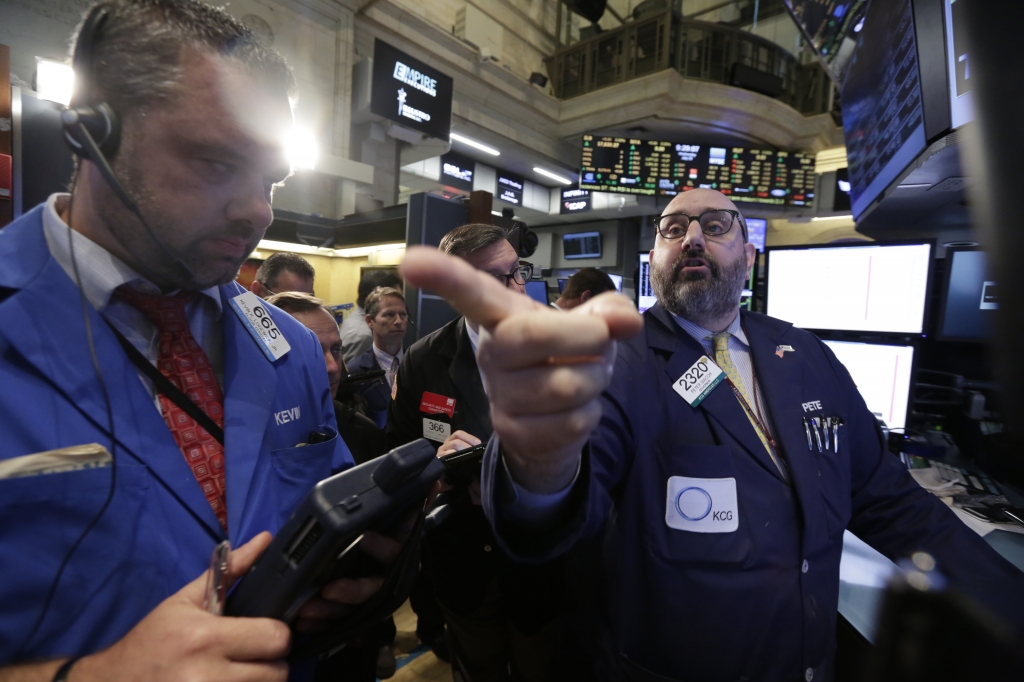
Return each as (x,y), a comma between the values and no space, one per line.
(785,232)
(337,279)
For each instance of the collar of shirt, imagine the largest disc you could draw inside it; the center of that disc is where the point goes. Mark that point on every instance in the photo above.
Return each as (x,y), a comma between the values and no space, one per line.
(99,271)
(384,359)
(700,334)
(474,338)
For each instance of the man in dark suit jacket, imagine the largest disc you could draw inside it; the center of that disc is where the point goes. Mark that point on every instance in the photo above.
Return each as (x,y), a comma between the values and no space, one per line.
(500,615)
(387,319)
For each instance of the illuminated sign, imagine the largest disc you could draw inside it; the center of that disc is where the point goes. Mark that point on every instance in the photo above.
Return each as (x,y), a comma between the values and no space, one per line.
(510,189)
(457,171)
(410,93)
(574,201)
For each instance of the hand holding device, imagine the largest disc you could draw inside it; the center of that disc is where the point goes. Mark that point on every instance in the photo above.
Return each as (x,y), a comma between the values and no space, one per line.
(544,369)
(180,639)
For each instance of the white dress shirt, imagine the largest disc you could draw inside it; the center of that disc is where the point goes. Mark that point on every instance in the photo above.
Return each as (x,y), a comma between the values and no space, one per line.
(101,272)
(388,363)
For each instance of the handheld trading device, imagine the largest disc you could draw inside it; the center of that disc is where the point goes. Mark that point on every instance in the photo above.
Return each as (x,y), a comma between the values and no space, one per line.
(319,543)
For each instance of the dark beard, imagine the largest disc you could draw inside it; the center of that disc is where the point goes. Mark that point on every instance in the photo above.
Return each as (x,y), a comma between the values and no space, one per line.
(153,257)
(700,299)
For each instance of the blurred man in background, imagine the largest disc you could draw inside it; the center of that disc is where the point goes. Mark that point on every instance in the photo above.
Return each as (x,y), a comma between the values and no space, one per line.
(282,272)
(583,285)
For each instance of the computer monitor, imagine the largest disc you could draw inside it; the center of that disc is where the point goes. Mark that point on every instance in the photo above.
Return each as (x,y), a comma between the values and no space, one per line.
(883,375)
(616,280)
(562,281)
(969,301)
(645,297)
(869,287)
(757,229)
(537,289)
(581,245)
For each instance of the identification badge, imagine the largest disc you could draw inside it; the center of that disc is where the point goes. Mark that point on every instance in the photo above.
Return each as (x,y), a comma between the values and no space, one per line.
(435,430)
(702,505)
(435,403)
(698,381)
(253,313)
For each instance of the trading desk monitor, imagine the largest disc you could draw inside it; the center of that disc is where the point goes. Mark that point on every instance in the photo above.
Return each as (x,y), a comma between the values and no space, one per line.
(617,281)
(883,114)
(538,290)
(882,374)
(757,228)
(868,288)
(970,301)
(581,245)
(645,297)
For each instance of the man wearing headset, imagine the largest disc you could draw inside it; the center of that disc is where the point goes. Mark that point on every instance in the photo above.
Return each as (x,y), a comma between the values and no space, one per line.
(113,493)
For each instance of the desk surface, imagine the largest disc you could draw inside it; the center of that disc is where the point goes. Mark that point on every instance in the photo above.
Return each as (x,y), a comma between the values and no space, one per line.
(863,574)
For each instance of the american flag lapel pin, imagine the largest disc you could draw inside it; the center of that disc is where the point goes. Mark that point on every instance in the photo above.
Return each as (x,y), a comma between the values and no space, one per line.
(781,350)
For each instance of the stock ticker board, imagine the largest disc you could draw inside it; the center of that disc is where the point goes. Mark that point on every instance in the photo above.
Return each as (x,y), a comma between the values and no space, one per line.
(618,164)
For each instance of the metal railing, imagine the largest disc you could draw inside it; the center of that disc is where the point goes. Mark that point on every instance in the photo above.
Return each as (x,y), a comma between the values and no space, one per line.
(696,49)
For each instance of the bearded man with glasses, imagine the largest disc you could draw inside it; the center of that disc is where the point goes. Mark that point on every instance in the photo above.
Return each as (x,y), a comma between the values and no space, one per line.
(504,619)
(724,454)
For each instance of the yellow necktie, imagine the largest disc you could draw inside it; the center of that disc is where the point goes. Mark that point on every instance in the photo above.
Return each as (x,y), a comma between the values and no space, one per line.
(724,360)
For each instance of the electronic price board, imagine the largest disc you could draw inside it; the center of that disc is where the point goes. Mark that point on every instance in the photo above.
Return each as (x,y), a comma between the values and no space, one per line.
(617,164)
(761,176)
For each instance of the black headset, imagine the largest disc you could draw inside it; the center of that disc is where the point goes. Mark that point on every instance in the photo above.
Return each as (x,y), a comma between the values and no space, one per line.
(97,118)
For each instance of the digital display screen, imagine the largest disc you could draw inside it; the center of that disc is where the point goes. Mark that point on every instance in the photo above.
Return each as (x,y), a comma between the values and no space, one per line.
(971,301)
(645,297)
(882,374)
(757,230)
(761,176)
(409,92)
(538,291)
(581,245)
(510,190)
(870,288)
(618,164)
(959,64)
(883,117)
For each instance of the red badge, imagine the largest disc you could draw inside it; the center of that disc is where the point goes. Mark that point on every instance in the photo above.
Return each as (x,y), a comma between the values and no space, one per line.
(434,403)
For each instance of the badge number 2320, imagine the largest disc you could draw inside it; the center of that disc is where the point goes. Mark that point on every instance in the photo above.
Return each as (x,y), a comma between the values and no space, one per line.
(694,374)
(698,381)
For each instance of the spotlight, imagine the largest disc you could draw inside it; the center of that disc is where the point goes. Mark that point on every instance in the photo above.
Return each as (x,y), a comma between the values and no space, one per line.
(301,147)
(54,81)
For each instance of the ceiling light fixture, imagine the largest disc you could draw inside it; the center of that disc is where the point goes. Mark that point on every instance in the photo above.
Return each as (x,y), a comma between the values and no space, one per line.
(474,144)
(553,176)
(832,217)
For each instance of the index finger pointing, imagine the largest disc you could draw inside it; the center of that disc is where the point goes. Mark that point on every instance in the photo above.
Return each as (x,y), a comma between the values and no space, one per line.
(474,294)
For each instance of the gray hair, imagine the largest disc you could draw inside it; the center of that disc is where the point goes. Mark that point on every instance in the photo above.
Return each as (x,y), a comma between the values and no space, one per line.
(468,239)
(137,60)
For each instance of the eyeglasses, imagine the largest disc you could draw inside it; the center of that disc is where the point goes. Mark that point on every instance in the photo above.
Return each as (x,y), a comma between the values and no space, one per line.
(714,223)
(521,273)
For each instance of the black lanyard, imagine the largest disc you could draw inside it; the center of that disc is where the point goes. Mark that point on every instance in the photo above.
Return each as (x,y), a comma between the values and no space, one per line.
(167,388)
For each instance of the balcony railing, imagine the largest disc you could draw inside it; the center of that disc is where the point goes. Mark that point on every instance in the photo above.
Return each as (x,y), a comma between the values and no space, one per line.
(696,49)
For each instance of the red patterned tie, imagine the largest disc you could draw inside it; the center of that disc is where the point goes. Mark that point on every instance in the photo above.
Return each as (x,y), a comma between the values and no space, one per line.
(184,362)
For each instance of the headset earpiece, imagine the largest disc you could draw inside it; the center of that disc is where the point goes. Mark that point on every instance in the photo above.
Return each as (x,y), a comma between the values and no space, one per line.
(101,122)
(98,118)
